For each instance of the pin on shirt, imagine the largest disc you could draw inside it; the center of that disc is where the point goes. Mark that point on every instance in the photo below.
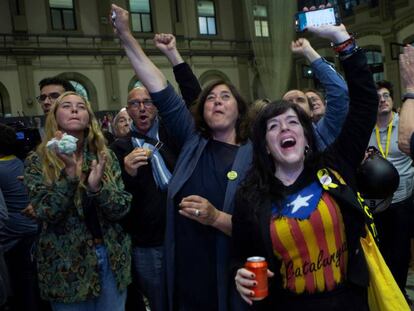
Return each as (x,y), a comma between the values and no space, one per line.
(231,175)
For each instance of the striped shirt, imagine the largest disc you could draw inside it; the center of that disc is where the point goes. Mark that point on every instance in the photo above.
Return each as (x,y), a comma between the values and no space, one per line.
(312,249)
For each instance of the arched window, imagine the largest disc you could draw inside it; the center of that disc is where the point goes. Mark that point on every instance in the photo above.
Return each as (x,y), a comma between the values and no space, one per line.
(133,83)
(80,89)
(212,75)
(84,86)
(138,84)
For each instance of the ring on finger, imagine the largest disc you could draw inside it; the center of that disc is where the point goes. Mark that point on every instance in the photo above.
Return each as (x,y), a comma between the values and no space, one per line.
(197,213)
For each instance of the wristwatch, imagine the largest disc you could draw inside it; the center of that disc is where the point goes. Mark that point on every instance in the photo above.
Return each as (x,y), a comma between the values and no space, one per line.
(408,95)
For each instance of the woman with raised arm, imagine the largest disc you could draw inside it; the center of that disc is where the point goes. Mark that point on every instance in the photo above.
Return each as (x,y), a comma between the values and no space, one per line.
(77,194)
(299,209)
(215,154)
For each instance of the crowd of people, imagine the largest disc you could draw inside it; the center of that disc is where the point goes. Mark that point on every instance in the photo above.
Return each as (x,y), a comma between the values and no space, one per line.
(163,212)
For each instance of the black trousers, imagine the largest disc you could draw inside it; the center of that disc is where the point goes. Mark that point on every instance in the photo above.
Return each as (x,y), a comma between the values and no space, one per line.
(346,298)
(394,227)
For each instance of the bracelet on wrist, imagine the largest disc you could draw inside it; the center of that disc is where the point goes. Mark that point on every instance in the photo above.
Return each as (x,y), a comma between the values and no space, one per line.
(408,95)
(348,53)
(345,45)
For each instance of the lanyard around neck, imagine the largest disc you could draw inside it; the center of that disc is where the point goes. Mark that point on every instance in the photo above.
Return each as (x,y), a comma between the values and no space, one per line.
(7,158)
(387,144)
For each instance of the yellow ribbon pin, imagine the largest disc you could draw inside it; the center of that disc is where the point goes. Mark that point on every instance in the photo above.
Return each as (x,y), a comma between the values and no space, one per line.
(326,180)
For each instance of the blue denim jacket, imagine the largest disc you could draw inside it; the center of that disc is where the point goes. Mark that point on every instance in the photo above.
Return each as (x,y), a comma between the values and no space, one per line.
(329,126)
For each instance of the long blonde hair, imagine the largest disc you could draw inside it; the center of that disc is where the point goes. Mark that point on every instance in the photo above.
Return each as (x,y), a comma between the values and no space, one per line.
(51,164)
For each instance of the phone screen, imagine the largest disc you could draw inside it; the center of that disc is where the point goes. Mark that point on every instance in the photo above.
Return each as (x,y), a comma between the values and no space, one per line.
(316,18)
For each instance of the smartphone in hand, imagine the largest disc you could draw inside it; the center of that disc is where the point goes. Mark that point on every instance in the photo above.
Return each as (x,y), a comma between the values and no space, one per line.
(316,18)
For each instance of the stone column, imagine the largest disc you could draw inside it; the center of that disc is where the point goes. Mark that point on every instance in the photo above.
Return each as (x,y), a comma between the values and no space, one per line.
(28,94)
(111,83)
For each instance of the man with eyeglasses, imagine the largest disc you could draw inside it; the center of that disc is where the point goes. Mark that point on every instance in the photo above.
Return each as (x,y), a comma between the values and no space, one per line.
(50,89)
(147,157)
(394,224)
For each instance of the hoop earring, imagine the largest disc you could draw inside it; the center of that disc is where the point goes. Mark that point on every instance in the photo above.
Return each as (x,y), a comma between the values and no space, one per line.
(307,150)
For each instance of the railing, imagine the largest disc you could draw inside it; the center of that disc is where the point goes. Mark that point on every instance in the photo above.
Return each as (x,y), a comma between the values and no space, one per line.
(42,44)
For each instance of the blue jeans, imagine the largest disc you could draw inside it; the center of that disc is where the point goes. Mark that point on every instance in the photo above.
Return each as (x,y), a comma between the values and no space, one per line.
(110,298)
(149,274)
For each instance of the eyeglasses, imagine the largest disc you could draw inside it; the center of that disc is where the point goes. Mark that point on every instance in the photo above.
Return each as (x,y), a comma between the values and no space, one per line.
(135,103)
(52,96)
(225,96)
(386,96)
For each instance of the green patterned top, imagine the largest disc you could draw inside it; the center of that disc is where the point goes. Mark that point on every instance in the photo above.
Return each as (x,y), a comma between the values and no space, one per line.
(66,259)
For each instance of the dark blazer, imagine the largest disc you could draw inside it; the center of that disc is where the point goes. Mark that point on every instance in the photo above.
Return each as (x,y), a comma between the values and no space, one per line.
(179,121)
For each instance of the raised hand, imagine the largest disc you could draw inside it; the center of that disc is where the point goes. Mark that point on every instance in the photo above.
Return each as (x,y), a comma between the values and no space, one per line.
(96,173)
(166,43)
(300,46)
(119,19)
(336,34)
(407,68)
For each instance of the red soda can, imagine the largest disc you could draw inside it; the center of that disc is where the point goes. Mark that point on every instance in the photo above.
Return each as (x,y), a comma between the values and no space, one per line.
(258,266)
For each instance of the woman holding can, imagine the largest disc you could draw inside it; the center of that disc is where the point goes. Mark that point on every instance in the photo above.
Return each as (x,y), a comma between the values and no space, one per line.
(294,208)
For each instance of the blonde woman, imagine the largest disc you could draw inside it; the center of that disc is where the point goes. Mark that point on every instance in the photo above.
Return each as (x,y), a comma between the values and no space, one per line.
(83,255)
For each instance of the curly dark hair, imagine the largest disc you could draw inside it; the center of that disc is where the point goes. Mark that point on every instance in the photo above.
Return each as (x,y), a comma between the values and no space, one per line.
(260,182)
(242,121)
(384,84)
(8,140)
